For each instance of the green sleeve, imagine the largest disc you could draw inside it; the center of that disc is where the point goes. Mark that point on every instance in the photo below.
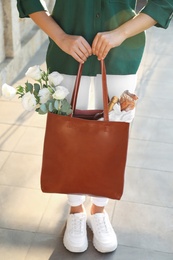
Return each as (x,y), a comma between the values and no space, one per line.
(160,10)
(26,7)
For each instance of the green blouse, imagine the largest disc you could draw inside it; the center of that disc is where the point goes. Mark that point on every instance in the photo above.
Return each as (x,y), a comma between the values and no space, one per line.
(87,18)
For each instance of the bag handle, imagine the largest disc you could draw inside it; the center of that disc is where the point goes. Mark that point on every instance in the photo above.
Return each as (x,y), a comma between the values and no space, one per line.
(104,90)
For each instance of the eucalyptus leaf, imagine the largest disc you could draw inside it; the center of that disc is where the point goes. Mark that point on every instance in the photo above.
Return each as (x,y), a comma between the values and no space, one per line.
(36,88)
(43,108)
(41,112)
(69,112)
(65,106)
(51,107)
(29,87)
(56,104)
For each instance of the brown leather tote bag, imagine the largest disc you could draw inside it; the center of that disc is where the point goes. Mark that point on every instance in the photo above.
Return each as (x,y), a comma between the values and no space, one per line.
(84,156)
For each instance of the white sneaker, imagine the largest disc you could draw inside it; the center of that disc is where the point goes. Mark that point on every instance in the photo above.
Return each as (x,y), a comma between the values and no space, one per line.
(75,236)
(104,239)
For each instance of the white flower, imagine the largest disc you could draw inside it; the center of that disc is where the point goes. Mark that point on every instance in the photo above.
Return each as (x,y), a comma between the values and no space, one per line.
(60,93)
(34,72)
(44,95)
(55,78)
(8,91)
(29,102)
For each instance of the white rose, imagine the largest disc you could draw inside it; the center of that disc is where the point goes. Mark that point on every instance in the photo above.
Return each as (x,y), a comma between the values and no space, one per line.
(29,102)
(34,72)
(44,95)
(8,91)
(60,93)
(55,78)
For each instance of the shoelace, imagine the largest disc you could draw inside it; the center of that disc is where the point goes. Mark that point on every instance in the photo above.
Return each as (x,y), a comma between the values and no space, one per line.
(103,225)
(77,225)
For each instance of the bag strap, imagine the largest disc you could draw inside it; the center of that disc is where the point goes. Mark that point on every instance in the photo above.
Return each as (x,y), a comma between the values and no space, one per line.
(104,90)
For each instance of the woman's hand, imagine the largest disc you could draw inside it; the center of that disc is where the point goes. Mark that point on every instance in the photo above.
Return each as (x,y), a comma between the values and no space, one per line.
(76,46)
(105,41)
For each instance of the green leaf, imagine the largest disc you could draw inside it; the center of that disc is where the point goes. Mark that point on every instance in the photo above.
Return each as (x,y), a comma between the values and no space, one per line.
(43,108)
(37,99)
(20,89)
(69,112)
(29,87)
(40,112)
(36,88)
(56,104)
(65,106)
(51,107)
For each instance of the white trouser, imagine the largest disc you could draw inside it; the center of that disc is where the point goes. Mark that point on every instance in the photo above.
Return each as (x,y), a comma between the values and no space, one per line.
(90,96)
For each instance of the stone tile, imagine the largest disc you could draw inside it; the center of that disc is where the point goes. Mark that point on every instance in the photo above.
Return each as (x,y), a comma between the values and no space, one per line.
(10,134)
(150,155)
(148,187)
(62,253)
(158,75)
(3,158)
(154,60)
(49,247)
(21,170)
(20,208)
(122,253)
(157,37)
(153,129)
(144,226)
(38,120)
(13,113)
(55,215)
(46,246)
(14,244)
(31,142)
(155,107)
(155,89)
(130,253)
(152,255)
(43,245)
(19,115)
(38,59)
(152,37)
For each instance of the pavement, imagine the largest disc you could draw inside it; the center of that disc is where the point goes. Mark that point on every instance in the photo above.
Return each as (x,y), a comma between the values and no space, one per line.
(32,223)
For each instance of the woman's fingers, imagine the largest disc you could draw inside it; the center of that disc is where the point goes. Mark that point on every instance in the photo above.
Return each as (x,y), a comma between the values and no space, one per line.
(85,47)
(77,47)
(101,45)
(103,51)
(80,56)
(105,41)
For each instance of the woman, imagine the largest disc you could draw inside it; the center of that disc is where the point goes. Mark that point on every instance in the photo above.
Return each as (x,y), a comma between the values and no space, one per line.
(87,31)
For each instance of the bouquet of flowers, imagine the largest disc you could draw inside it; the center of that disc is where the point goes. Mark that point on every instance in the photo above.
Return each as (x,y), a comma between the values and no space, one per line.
(43,96)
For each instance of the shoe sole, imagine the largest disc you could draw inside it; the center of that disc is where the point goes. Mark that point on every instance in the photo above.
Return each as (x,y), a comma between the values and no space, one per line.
(97,246)
(75,249)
